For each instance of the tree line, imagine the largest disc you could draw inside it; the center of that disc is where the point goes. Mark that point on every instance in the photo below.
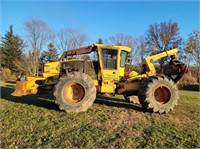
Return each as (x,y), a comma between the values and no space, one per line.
(41,44)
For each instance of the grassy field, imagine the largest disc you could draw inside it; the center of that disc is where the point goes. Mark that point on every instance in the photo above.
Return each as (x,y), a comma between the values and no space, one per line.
(35,121)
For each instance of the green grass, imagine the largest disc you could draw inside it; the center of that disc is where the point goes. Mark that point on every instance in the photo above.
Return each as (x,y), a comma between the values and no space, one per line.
(34,121)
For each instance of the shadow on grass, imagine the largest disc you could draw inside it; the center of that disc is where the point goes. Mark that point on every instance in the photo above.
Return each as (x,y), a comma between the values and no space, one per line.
(44,101)
(120,103)
(10,86)
(11,82)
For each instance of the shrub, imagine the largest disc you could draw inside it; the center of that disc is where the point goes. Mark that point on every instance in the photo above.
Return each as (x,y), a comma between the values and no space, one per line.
(5,74)
(13,77)
(194,87)
(188,79)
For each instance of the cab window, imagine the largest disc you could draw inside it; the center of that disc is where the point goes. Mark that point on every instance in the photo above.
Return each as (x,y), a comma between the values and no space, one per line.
(109,58)
(123,58)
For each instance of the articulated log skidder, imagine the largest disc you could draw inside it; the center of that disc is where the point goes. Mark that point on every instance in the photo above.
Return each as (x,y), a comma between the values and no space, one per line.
(76,82)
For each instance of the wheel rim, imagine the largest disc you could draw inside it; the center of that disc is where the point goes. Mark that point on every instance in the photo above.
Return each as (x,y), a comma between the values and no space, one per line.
(73,93)
(162,94)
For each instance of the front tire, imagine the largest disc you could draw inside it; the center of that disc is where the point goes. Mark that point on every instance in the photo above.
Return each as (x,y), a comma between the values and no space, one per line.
(75,92)
(158,94)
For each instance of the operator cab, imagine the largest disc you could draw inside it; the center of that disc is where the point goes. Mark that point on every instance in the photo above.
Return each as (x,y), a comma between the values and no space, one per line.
(112,61)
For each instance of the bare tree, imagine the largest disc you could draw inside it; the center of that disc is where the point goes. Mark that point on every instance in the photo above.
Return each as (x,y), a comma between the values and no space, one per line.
(69,39)
(141,50)
(163,36)
(37,33)
(121,39)
(193,48)
(26,64)
(126,40)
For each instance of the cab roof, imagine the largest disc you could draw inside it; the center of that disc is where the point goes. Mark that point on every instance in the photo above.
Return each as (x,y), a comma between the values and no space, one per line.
(125,48)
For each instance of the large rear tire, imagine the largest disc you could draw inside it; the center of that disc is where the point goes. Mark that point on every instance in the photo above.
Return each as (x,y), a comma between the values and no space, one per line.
(158,94)
(75,92)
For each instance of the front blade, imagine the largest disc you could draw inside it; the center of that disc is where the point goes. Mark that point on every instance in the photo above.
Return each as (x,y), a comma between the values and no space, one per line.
(20,89)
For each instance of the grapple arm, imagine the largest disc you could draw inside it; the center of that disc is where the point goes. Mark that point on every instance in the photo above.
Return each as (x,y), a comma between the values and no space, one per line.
(148,62)
(174,70)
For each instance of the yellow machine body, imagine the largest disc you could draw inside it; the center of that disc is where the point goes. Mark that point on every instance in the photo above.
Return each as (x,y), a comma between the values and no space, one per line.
(29,86)
(51,69)
(148,62)
(110,77)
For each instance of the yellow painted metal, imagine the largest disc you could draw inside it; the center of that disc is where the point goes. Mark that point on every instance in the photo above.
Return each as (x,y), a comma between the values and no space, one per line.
(20,89)
(109,77)
(128,87)
(125,48)
(31,82)
(106,78)
(51,69)
(133,74)
(27,87)
(137,77)
(120,70)
(108,87)
(148,61)
(96,82)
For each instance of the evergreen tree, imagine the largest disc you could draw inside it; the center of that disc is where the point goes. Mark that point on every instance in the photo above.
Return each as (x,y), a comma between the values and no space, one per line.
(100,41)
(11,50)
(50,55)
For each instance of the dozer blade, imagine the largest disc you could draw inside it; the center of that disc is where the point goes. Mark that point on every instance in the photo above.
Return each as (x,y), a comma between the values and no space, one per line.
(22,90)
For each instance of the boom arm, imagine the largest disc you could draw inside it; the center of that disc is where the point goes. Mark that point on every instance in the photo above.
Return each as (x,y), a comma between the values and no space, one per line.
(79,51)
(148,61)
